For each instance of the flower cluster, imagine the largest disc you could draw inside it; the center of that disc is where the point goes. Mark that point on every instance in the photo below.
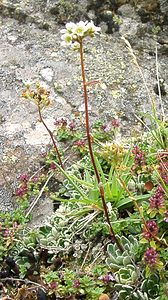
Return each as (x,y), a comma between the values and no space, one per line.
(53,285)
(139,158)
(163,165)
(79,143)
(166,216)
(110,126)
(152,229)
(74,33)
(107,278)
(39,95)
(66,129)
(35,179)
(53,166)
(163,170)
(61,122)
(9,232)
(76,283)
(64,123)
(106,127)
(115,123)
(24,177)
(151,257)
(157,200)
(22,190)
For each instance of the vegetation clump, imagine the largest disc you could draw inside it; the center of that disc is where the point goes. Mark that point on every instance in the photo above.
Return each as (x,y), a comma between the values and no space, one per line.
(108,235)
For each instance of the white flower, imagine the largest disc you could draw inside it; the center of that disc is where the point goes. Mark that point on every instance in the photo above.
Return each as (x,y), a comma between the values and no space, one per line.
(80,28)
(91,28)
(67,39)
(70,27)
(74,33)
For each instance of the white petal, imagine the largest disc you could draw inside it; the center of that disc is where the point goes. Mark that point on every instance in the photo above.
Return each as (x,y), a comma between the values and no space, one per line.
(63,30)
(71,27)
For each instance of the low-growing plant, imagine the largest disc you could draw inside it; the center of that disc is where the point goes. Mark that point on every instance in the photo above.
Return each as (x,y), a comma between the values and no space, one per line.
(108,234)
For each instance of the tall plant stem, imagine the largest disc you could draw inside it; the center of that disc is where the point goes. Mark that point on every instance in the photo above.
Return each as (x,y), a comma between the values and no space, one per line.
(101,188)
(52,138)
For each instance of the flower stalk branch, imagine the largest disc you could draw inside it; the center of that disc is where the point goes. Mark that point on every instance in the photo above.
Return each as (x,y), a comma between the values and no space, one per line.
(41,98)
(51,136)
(89,138)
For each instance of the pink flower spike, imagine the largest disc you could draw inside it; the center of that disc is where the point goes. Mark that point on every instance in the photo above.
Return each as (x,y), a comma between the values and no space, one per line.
(52,166)
(151,257)
(115,123)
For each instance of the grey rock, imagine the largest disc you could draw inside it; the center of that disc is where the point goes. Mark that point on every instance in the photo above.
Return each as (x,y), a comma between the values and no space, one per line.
(41,212)
(129,27)
(28,53)
(47,74)
(164,6)
(128,11)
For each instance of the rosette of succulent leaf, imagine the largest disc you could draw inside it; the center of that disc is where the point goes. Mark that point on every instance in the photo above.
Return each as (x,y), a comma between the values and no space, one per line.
(117,259)
(130,280)
(127,275)
(145,289)
(127,292)
(73,33)
(151,286)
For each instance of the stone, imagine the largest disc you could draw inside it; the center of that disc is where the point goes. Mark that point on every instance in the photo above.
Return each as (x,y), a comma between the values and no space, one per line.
(128,11)
(129,28)
(47,74)
(29,52)
(147,5)
(67,10)
(164,6)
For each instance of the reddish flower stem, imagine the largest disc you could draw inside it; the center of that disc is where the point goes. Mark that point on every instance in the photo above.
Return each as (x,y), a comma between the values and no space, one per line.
(89,138)
(52,138)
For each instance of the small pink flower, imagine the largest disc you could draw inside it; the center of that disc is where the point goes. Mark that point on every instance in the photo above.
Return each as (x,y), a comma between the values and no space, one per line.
(53,166)
(139,158)
(115,123)
(61,122)
(153,229)
(157,200)
(151,257)
(71,125)
(21,191)
(76,283)
(163,170)
(53,285)
(79,143)
(8,232)
(166,216)
(35,178)
(23,177)
(106,128)
(107,278)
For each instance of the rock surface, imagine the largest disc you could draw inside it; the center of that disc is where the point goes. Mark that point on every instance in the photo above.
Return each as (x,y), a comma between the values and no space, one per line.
(30,51)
